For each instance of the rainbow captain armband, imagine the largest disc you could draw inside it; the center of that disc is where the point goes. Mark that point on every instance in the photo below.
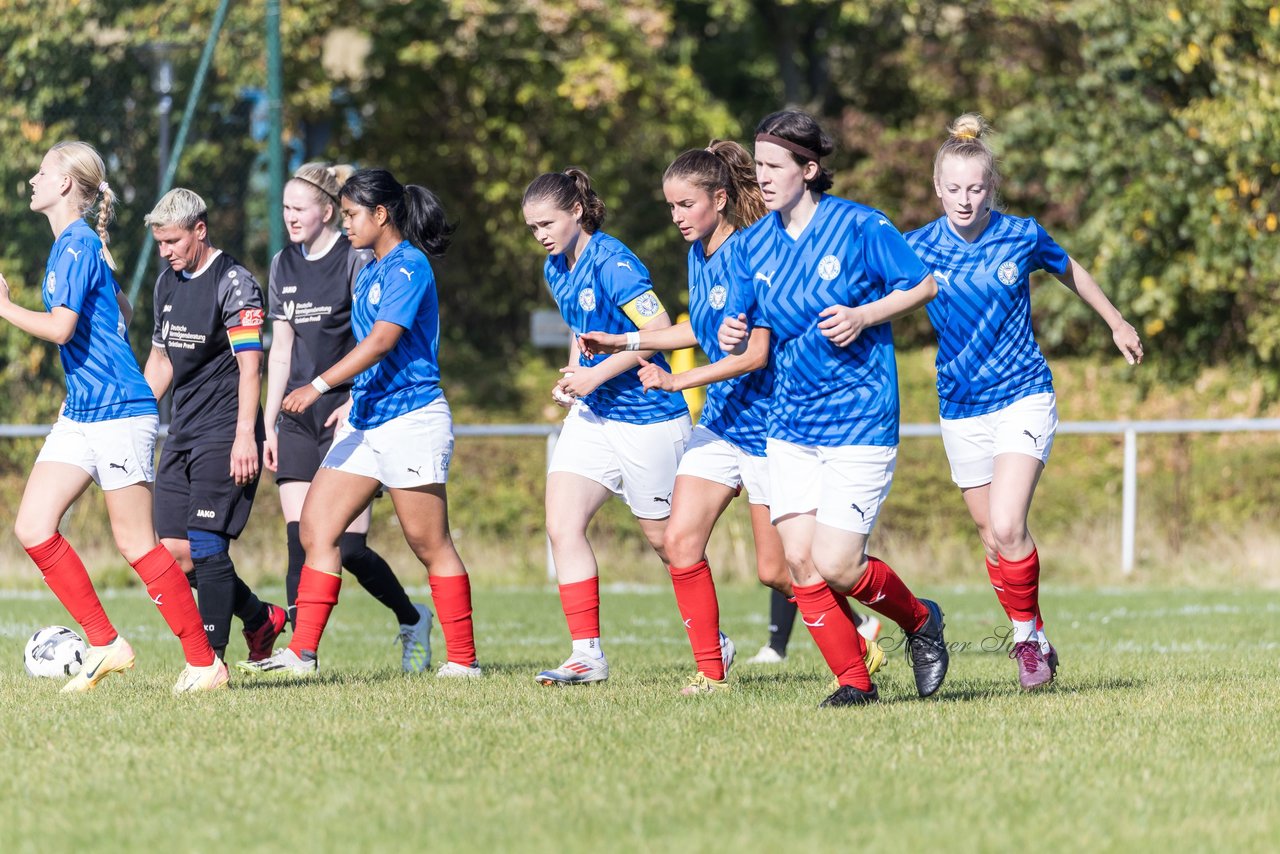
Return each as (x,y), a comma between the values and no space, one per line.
(245,339)
(643,308)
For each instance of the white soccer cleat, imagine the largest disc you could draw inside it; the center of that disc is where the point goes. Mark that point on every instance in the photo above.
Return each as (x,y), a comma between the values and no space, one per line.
(767,655)
(416,640)
(577,670)
(285,662)
(453,670)
(728,652)
(100,662)
(194,679)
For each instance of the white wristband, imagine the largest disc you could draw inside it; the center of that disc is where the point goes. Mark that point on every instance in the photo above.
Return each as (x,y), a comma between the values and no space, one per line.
(633,340)
(320,385)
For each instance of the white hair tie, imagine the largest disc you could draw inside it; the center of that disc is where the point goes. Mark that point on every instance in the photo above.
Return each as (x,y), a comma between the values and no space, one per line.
(102,188)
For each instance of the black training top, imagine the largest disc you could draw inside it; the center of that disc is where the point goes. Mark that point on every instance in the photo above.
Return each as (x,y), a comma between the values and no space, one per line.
(313,295)
(201,323)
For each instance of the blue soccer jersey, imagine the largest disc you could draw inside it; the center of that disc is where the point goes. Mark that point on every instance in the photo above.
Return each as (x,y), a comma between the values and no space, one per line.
(736,409)
(987,352)
(850,255)
(401,289)
(103,378)
(607,277)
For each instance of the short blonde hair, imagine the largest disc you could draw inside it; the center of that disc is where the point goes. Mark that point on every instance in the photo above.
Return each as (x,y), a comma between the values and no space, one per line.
(181,207)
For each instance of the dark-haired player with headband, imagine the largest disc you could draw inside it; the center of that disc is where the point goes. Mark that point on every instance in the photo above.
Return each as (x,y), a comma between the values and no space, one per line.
(398,432)
(207,346)
(310,307)
(616,439)
(995,391)
(829,276)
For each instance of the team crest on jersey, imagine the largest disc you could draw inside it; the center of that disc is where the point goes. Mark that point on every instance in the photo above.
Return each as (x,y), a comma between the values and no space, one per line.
(647,305)
(375,293)
(829,268)
(717,297)
(587,299)
(50,282)
(251,316)
(1008,273)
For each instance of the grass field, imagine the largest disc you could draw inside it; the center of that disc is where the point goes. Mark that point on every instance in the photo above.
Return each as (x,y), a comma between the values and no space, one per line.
(1162,731)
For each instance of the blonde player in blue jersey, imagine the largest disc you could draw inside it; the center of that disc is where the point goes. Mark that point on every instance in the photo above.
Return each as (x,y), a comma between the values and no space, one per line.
(396,431)
(616,439)
(829,276)
(995,391)
(105,432)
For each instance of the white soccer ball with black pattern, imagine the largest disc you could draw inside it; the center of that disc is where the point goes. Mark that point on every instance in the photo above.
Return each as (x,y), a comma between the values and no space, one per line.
(54,652)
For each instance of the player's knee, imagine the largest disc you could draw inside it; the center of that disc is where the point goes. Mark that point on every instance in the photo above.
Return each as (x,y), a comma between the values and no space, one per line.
(1008,535)
(682,547)
(564,532)
(32,532)
(316,538)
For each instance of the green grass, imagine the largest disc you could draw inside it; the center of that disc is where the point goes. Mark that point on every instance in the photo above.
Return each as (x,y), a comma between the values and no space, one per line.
(1161,731)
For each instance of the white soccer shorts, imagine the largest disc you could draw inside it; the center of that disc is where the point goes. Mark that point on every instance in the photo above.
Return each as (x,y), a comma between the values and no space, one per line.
(718,460)
(116,453)
(845,485)
(635,461)
(1026,426)
(410,450)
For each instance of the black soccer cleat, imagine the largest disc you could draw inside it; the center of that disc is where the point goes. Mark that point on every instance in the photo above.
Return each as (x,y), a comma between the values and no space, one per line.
(847,695)
(928,652)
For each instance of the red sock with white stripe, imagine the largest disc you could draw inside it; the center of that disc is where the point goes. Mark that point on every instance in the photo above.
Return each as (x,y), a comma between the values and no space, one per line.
(65,574)
(882,590)
(1022,587)
(317,595)
(834,633)
(451,595)
(170,590)
(581,603)
(997,584)
(695,591)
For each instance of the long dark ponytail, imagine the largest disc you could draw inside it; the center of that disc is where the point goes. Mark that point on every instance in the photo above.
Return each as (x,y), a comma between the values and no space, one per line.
(415,211)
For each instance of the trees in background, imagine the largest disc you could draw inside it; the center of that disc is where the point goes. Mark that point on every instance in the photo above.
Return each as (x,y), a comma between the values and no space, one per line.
(1146,135)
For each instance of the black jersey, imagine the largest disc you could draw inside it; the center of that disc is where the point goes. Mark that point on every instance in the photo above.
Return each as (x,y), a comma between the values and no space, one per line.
(313,295)
(201,323)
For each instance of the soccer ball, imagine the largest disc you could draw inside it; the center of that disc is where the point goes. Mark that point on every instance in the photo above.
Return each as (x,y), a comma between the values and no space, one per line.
(54,652)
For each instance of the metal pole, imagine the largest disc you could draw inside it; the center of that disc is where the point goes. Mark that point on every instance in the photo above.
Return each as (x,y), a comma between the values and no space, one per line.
(552,438)
(164,87)
(275,139)
(1129,511)
(188,116)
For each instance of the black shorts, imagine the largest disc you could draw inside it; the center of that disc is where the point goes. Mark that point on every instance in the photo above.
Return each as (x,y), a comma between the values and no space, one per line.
(194,489)
(302,440)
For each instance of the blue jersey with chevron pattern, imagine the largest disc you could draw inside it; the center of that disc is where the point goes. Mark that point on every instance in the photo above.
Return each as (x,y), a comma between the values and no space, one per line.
(848,254)
(987,352)
(606,277)
(735,409)
(103,378)
(399,288)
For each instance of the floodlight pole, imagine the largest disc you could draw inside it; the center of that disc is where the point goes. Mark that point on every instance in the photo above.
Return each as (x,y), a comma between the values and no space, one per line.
(275,138)
(188,116)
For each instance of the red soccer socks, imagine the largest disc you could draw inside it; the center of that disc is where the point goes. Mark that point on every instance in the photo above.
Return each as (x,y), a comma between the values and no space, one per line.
(581,603)
(882,590)
(1021,586)
(695,591)
(170,589)
(66,576)
(317,594)
(834,633)
(451,595)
